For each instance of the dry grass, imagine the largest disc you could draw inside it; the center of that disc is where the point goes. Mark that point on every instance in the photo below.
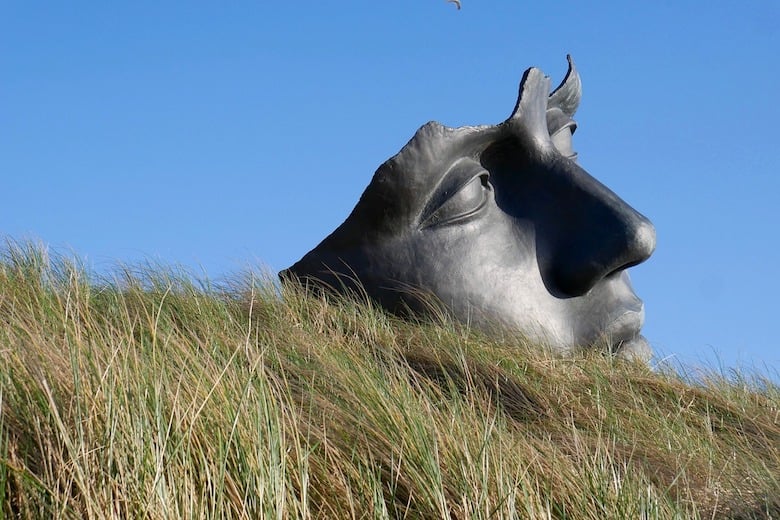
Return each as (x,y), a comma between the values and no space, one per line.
(154,396)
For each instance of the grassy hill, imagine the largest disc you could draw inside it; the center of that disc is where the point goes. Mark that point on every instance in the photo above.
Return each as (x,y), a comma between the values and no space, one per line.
(151,395)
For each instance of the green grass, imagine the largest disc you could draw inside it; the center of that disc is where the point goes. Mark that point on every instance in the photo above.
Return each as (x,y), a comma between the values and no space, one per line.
(154,395)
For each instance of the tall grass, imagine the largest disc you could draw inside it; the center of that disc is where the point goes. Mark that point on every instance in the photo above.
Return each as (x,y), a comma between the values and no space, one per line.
(154,395)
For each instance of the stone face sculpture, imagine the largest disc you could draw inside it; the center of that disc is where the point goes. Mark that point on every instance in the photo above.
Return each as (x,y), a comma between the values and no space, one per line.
(502,226)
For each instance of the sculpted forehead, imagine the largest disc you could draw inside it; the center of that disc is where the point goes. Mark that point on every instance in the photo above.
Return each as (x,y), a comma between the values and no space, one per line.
(402,186)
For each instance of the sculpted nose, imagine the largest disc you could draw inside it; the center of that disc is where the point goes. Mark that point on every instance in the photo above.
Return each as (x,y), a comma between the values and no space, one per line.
(601,234)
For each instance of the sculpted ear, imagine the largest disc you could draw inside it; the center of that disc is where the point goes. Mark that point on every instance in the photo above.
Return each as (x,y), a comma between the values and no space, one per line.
(568,94)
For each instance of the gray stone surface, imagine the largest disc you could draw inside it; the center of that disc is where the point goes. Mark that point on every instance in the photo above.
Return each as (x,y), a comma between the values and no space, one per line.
(501,225)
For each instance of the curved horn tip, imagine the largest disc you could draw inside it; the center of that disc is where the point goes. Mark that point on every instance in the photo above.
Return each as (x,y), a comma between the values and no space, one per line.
(571,74)
(568,94)
(572,70)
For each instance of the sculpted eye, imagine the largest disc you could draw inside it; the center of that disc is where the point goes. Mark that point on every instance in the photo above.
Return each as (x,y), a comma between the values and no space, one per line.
(462,204)
(562,142)
(561,128)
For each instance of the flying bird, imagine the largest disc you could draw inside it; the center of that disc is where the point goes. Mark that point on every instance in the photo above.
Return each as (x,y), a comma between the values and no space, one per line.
(456,2)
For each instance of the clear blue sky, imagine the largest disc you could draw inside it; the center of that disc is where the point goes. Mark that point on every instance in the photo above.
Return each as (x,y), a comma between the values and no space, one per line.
(221,135)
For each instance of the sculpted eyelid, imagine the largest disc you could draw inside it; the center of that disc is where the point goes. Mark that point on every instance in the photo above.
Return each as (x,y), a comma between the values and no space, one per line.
(571,125)
(459,175)
(461,203)
(484,175)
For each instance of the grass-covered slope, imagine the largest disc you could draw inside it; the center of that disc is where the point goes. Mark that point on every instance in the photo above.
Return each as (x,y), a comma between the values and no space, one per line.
(152,396)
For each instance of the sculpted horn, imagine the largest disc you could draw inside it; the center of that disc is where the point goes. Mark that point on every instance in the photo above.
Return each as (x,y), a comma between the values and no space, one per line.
(568,94)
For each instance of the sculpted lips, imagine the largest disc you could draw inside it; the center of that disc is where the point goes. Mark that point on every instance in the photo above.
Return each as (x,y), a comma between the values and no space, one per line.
(627,324)
(623,332)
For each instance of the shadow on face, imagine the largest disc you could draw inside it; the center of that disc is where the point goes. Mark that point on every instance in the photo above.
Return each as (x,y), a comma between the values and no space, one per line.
(502,226)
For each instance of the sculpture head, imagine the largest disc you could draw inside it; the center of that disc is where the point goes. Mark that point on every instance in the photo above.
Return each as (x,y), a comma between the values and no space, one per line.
(502,226)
